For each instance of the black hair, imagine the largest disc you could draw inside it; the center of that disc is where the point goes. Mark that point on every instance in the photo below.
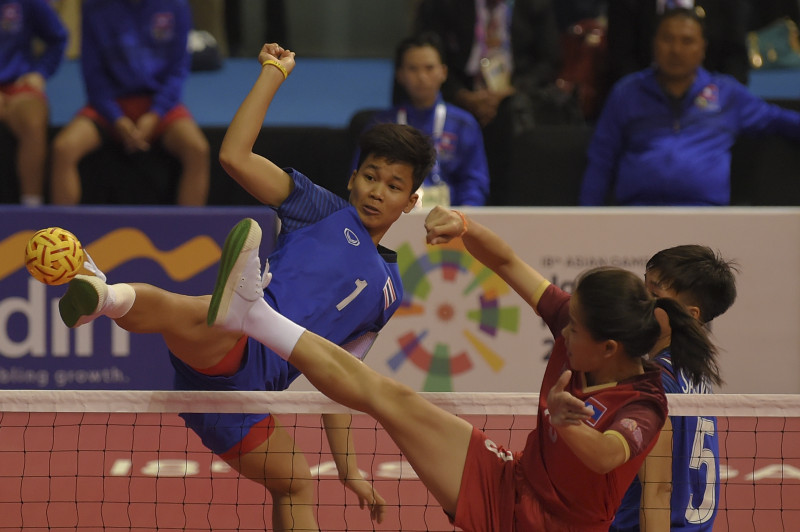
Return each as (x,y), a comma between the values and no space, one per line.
(418,40)
(398,143)
(615,305)
(699,275)
(697,14)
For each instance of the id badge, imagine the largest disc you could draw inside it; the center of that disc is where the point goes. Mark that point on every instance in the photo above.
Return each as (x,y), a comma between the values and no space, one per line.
(438,194)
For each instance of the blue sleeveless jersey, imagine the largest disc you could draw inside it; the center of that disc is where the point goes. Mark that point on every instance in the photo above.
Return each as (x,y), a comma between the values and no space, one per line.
(328,277)
(695,465)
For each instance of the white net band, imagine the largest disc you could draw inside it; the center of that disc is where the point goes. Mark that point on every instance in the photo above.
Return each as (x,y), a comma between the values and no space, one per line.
(289,402)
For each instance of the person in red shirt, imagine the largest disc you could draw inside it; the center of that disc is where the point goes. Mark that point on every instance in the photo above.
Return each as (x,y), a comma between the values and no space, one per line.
(600,411)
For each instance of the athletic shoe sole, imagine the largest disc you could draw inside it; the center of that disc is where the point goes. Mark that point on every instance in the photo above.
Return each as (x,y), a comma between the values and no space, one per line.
(84,297)
(242,239)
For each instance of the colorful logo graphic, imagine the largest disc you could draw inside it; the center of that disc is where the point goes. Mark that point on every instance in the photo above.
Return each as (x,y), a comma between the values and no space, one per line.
(452,307)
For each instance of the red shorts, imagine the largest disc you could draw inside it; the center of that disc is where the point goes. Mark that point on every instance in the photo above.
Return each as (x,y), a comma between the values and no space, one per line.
(496,497)
(134,107)
(258,434)
(486,497)
(9,90)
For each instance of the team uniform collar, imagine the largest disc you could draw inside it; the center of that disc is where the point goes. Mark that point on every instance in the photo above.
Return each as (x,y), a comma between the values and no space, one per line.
(701,80)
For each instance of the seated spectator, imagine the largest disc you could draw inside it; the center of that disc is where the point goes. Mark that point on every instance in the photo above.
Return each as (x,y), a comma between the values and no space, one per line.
(493,48)
(632,24)
(460,175)
(665,134)
(502,58)
(23,103)
(134,63)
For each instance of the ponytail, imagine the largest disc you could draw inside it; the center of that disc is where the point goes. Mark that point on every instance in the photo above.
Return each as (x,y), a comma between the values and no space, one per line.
(691,349)
(616,305)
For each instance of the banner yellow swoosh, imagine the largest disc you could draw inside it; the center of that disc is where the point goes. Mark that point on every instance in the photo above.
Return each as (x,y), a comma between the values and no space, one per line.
(123,245)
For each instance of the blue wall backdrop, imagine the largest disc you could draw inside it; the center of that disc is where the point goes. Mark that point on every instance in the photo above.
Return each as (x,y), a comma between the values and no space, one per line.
(320,92)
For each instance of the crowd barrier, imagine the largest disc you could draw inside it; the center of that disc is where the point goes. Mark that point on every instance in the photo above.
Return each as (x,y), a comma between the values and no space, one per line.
(546,168)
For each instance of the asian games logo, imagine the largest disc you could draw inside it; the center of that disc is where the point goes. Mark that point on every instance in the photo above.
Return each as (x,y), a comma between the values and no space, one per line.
(452,315)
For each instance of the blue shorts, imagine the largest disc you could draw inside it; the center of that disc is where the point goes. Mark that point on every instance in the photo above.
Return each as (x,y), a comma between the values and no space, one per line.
(261,370)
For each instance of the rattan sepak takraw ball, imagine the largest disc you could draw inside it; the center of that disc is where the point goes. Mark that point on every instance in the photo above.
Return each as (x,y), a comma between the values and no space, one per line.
(54,256)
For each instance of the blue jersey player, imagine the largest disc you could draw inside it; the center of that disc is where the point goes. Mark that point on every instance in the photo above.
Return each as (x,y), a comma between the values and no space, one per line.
(334,278)
(678,486)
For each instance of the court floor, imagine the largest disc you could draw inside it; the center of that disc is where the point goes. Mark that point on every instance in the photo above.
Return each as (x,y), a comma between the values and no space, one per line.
(147,472)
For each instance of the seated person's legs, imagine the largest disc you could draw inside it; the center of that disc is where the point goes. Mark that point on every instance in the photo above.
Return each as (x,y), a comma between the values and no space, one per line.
(26,116)
(71,144)
(136,130)
(184,140)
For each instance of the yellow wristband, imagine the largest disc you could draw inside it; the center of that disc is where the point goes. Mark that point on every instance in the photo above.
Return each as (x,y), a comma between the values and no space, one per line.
(463,221)
(277,65)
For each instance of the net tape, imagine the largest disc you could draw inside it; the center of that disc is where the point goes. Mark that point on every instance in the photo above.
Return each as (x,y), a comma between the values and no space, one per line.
(286,402)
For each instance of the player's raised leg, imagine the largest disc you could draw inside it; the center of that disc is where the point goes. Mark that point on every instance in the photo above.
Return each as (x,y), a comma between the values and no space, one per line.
(433,441)
(143,308)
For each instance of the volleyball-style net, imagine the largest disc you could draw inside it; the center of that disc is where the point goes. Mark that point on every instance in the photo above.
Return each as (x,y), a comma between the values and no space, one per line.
(123,460)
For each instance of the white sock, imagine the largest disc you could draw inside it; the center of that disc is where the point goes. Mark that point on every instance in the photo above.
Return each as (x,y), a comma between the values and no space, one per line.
(119,300)
(272,329)
(31,200)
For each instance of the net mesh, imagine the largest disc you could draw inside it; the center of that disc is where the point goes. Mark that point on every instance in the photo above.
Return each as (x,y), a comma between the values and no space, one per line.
(123,460)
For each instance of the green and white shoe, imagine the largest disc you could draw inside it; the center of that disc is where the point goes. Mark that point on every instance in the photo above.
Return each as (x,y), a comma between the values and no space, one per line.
(239,281)
(83,301)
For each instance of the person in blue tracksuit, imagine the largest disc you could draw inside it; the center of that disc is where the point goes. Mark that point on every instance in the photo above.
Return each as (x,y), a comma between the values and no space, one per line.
(681,476)
(336,279)
(134,63)
(23,73)
(665,134)
(461,163)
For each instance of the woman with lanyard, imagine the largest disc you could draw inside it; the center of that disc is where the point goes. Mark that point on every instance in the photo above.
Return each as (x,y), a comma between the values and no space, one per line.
(460,175)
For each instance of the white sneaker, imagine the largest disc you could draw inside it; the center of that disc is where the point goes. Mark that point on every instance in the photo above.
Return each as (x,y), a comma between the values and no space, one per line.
(86,295)
(239,282)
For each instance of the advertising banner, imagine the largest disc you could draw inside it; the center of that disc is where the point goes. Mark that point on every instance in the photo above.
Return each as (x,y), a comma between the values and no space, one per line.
(464,330)
(176,249)
(460,328)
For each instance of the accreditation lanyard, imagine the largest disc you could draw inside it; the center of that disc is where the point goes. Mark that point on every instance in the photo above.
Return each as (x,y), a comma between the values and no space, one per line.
(439,116)
(486,15)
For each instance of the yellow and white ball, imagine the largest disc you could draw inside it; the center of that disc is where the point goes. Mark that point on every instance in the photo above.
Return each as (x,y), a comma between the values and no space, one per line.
(54,256)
